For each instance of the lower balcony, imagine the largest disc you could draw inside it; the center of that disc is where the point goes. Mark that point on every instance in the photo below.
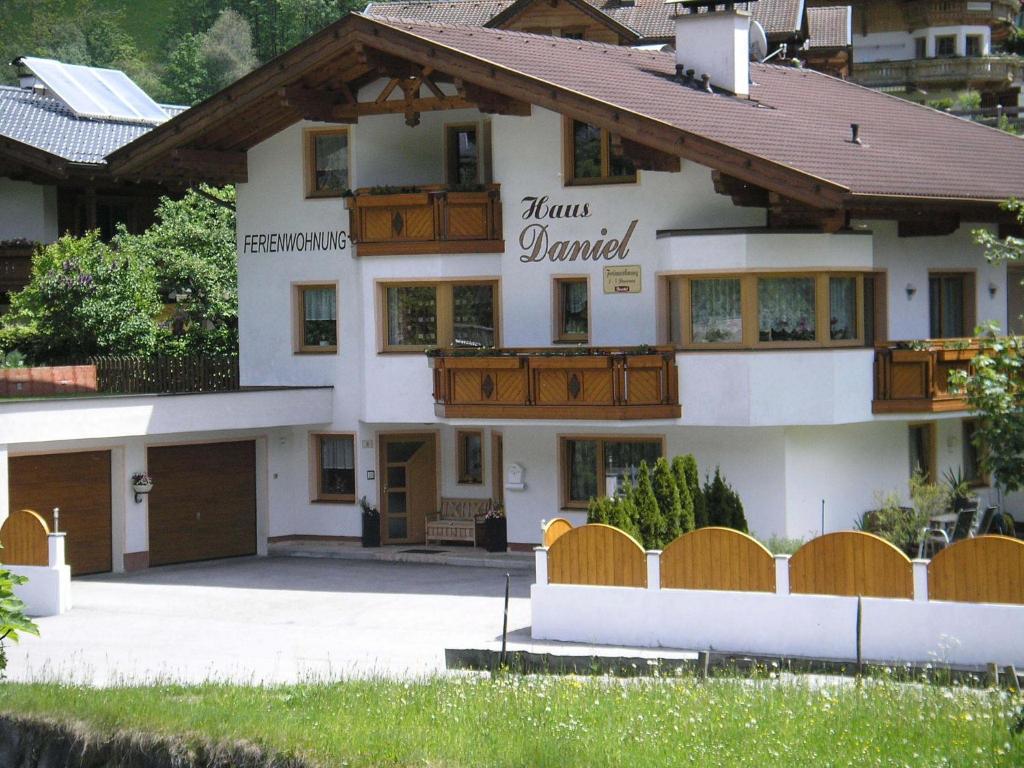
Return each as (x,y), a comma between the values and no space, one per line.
(590,384)
(913,377)
(977,71)
(387,221)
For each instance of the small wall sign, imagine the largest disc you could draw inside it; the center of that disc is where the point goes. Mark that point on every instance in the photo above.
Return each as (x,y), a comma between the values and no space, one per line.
(624,279)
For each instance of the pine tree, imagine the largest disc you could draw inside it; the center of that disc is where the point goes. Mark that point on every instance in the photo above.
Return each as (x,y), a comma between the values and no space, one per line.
(598,510)
(622,514)
(648,516)
(669,503)
(684,468)
(723,503)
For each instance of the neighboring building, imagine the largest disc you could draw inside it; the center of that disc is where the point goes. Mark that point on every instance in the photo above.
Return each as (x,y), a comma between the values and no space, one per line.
(746,263)
(928,50)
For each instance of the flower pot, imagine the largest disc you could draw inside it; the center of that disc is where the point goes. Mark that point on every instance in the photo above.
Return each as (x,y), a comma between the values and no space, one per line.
(371,530)
(495,534)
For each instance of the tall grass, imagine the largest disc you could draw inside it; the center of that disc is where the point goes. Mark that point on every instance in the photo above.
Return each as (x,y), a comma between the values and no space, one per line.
(552,721)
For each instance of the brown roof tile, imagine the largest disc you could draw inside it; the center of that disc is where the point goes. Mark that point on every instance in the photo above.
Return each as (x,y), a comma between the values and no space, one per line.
(829,27)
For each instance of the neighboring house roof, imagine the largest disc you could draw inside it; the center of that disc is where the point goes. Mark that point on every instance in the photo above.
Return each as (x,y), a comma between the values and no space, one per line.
(587,7)
(46,124)
(792,135)
(649,19)
(829,27)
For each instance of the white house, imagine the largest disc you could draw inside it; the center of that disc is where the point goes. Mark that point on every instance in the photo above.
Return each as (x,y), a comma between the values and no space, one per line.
(612,255)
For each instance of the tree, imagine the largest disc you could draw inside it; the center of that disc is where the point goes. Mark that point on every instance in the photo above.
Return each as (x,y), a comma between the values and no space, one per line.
(684,468)
(648,518)
(723,504)
(670,506)
(227,50)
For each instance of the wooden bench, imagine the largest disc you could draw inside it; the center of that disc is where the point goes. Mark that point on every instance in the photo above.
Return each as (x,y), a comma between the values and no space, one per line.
(456,520)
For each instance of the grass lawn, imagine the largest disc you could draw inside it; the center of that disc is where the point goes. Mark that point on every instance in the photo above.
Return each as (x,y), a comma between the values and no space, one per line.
(558,721)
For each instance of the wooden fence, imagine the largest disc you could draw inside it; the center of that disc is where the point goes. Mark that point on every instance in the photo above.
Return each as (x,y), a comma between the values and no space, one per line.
(851,563)
(717,558)
(988,569)
(555,528)
(24,538)
(597,555)
(166,374)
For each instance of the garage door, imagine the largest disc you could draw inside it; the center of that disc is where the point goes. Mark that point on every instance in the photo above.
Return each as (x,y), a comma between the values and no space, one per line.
(78,483)
(203,502)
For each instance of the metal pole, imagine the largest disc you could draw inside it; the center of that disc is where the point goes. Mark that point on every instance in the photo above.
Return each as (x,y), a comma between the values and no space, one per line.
(860,662)
(504,626)
(822,517)
(56,519)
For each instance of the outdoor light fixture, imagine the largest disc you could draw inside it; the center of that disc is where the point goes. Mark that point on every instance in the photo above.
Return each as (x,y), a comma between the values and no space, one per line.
(992,288)
(911,290)
(141,484)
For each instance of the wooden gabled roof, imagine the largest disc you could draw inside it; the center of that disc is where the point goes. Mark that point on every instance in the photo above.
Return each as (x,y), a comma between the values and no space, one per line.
(792,137)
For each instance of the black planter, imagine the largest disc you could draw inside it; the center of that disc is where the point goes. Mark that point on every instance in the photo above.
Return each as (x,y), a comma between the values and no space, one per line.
(495,534)
(371,530)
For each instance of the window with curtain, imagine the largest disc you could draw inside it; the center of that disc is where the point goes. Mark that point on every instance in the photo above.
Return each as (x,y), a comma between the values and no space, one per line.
(318,318)
(412,316)
(602,466)
(947,306)
(716,312)
(572,311)
(842,306)
(327,160)
(471,458)
(473,315)
(336,479)
(446,314)
(786,309)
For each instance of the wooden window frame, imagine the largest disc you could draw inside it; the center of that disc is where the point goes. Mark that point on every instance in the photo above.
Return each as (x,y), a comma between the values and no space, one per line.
(945,55)
(461,456)
(970,298)
(559,336)
(447,154)
(319,496)
(933,449)
(680,302)
(983,479)
(299,347)
(980,42)
(569,159)
(445,311)
(563,461)
(309,136)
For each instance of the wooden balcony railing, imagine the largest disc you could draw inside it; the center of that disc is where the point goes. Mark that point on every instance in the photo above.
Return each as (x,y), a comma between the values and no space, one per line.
(977,70)
(430,219)
(612,384)
(913,377)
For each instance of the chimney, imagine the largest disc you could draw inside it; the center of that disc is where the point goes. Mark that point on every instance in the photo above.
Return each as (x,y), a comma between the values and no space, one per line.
(714,39)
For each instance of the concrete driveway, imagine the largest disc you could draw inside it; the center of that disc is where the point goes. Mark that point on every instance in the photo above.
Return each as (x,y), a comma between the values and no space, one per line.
(272,619)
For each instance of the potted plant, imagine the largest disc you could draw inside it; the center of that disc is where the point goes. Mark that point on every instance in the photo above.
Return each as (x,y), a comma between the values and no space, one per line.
(371,523)
(142,484)
(495,529)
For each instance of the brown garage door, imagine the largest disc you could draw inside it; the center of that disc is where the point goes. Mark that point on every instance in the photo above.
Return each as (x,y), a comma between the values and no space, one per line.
(203,502)
(78,483)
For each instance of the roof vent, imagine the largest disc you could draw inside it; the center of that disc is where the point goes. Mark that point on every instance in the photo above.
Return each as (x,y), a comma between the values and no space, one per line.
(714,37)
(855,134)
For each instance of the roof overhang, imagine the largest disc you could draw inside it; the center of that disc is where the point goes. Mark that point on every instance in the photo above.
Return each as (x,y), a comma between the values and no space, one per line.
(628,36)
(21,160)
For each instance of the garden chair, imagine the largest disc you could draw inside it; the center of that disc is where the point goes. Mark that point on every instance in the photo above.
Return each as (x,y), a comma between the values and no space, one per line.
(935,537)
(990,519)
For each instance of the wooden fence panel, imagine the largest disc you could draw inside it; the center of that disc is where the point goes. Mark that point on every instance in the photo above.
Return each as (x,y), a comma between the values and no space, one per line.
(597,555)
(164,373)
(24,535)
(717,558)
(555,528)
(851,563)
(988,569)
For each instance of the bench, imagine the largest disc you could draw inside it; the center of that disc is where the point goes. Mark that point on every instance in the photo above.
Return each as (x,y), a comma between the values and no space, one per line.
(456,520)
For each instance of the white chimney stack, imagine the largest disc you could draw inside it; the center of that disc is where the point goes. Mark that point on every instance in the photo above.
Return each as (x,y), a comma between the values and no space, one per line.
(715,43)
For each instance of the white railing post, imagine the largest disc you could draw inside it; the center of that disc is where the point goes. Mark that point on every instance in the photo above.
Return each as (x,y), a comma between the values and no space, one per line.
(920,580)
(781,574)
(654,569)
(540,555)
(55,548)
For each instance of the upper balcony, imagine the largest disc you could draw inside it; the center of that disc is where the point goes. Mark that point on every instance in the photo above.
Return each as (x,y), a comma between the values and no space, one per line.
(913,377)
(388,221)
(973,70)
(552,383)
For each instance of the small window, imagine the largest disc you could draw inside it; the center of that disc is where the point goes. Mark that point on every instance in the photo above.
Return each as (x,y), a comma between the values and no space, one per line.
(317,321)
(716,311)
(471,458)
(421,315)
(335,467)
(842,305)
(922,450)
(326,162)
(462,152)
(572,310)
(949,305)
(595,467)
(573,33)
(595,156)
(974,45)
(945,45)
(973,472)
(920,47)
(786,309)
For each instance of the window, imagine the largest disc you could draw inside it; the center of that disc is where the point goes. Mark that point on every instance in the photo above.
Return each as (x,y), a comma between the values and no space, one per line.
(922,450)
(974,45)
(471,458)
(973,473)
(326,162)
(920,47)
(420,315)
(749,310)
(595,156)
(316,319)
(572,311)
(462,155)
(950,305)
(945,45)
(594,467)
(573,33)
(335,467)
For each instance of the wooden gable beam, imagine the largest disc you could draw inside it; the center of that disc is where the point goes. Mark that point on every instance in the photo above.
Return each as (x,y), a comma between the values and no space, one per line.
(492,103)
(743,194)
(209,162)
(649,159)
(314,104)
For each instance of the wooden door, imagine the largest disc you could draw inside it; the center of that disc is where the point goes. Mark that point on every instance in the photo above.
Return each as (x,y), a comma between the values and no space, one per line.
(408,470)
(78,483)
(203,502)
(1015,300)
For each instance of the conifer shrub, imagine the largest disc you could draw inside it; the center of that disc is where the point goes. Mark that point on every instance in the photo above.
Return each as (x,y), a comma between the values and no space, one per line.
(670,506)
(724,507)
(647,515)
(684,469)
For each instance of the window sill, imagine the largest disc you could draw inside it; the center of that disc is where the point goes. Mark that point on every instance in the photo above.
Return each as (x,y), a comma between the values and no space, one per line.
(317,351)
(339,500)
(602,181)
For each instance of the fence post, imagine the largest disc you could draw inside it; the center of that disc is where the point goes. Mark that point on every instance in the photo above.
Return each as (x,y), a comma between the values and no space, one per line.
(55,549)
(781,574)
(920,580)
(540,555)
(654,569)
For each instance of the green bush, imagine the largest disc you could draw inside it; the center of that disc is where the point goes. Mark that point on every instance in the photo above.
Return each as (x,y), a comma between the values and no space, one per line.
(648,518)
(723,504)
(670,505)
(12,615)
(617,512)
(684,469)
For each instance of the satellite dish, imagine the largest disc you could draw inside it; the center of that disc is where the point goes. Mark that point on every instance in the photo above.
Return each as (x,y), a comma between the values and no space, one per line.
(758,42)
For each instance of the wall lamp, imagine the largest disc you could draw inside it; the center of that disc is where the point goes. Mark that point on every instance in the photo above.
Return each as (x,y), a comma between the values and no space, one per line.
(992,288)
(911,290)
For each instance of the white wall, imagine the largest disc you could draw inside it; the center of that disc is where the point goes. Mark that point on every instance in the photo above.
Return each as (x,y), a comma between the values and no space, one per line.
(900,46)
(27,211)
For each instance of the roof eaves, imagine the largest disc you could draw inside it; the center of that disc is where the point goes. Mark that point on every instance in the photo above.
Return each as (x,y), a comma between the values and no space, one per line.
(630,35)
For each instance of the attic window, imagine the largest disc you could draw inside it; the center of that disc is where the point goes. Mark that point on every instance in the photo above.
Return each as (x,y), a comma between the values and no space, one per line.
(595,156)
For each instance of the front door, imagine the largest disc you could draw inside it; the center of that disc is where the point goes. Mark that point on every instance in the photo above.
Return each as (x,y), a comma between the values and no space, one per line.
(408,471)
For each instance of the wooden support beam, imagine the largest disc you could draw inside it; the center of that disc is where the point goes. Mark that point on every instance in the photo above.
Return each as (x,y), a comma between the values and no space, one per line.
(385,94)
(233,165)
(743,194)
(492,103)
(932,226)
(313,104)
(393,106)
(649,159)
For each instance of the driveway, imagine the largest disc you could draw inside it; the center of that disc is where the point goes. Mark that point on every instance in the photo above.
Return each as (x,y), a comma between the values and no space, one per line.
(269,620)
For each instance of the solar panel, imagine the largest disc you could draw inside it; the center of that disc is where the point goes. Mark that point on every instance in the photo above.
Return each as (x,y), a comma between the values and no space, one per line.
(95,92)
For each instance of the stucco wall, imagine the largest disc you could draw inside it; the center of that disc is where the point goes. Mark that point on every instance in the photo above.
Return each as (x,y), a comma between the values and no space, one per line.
(27,211)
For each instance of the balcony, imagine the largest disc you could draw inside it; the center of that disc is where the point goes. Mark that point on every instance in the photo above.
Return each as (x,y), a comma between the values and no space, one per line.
(913,377)
(592,384)
(422,220)
(975,70)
